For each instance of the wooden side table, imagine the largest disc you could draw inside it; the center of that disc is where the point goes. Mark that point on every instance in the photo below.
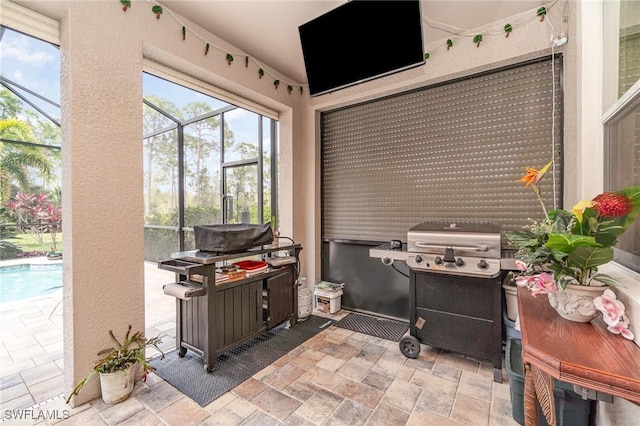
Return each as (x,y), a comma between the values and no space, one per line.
(584,354)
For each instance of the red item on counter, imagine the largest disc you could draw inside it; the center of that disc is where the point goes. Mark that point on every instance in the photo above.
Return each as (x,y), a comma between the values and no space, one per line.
(250,265)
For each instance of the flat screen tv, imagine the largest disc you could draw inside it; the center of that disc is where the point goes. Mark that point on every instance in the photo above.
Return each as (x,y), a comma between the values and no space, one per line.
(359,41)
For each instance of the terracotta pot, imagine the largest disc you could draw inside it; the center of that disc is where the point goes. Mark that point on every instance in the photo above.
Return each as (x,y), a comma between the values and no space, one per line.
(575,302)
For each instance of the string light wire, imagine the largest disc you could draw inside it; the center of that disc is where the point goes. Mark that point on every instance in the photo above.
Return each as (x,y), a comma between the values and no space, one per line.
(457,32)
(212,45)
(553,122)
(521,17)
(553,102)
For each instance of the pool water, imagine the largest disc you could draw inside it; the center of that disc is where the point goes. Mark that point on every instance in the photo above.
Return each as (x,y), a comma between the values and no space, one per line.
(22,281)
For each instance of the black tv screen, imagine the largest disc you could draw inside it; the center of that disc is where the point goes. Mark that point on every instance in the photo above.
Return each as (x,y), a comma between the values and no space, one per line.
(359,41)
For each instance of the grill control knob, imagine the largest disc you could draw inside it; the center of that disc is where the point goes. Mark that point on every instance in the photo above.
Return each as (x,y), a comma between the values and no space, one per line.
(483,264)
(459,262)
(438,260)
(418,259)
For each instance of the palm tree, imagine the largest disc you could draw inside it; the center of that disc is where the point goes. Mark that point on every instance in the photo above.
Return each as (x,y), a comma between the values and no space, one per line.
(15,159)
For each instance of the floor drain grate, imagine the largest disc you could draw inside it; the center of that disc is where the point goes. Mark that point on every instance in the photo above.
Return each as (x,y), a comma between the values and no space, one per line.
(374,326)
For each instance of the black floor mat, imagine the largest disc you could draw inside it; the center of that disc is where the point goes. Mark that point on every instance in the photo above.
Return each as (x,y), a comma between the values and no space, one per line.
(374,326)
(234,367)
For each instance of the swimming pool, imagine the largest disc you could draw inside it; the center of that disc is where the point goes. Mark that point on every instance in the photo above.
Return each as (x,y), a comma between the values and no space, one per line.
(22,281)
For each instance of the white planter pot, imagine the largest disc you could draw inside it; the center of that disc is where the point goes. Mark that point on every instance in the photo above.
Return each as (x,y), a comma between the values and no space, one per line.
(116,387)
(575,302)
(511,297)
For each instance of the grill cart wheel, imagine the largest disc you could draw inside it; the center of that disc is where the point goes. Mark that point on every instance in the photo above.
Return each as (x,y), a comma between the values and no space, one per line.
(410,347)
(182,351)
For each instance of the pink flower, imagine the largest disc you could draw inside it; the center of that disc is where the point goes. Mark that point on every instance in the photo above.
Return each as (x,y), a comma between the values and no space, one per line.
(613,314)
(611,308)
(544,284)
(525,281)
(520,265)
(622,328)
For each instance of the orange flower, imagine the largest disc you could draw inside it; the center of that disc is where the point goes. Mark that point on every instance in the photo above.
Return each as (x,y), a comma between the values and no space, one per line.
(533,176)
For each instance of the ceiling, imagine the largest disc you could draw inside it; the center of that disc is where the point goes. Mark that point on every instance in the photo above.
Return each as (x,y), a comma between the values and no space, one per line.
(268,29)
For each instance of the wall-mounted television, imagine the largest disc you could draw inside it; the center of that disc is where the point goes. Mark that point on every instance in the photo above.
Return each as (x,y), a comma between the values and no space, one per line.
(361,40)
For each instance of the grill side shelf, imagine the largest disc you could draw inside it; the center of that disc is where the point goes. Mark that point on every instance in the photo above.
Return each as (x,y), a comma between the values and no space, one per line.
(182,267)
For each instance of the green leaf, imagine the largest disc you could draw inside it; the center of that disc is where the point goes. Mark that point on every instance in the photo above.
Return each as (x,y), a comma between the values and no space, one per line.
(521,238)
(561,219)
(568,243)
(606,279)
(590,257)
(562,274)
(633,192)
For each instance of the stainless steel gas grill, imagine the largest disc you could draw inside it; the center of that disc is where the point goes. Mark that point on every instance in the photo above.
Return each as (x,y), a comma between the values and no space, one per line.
(468,249)
(455,295)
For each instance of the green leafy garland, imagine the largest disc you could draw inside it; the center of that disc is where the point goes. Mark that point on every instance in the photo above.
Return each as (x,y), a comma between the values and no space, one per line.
(507,29)
(158,10)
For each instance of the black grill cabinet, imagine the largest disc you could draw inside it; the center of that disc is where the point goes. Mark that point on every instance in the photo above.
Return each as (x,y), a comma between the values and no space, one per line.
(458,313)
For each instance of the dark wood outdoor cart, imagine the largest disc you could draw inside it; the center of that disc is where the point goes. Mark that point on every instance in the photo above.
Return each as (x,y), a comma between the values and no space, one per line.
(230,313)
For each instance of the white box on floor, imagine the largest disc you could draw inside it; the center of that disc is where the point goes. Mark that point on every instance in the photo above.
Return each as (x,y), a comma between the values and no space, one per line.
(327,301)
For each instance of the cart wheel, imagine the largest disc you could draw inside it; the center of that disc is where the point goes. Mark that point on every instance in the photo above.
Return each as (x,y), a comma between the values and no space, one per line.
(182,352)
(410,347)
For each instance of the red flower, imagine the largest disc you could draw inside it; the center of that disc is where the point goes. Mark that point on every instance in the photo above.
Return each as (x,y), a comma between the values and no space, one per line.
(610,204)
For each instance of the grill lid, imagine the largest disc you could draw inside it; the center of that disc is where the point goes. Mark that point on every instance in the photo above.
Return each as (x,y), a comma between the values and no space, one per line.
(460,248)
(473,239)
(441,226)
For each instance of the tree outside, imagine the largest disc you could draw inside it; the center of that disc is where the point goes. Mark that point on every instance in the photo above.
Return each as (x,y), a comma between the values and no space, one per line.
(209,130)
(28,176)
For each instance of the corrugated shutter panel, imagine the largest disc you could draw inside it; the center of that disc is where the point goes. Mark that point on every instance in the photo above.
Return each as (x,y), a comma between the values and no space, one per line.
(452,152)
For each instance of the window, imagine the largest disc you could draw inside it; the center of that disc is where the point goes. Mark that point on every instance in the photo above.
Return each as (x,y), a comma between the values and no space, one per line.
(30,146)
(206,161)
(622,120)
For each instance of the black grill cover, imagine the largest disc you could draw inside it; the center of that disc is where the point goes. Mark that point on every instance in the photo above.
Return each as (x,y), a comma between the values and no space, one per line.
(232,237)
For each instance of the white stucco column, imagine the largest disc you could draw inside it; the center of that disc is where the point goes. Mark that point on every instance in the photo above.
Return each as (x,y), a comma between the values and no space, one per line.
(591,149)
(103,185)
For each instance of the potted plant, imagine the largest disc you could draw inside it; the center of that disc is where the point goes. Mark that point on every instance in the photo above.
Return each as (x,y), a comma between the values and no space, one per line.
(118,366)
(560,255)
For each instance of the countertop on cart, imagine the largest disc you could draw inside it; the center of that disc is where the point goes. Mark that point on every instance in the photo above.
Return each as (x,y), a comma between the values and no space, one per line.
(207,257)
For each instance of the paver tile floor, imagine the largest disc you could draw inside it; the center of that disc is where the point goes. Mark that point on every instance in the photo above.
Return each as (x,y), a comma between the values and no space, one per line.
(338,377)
